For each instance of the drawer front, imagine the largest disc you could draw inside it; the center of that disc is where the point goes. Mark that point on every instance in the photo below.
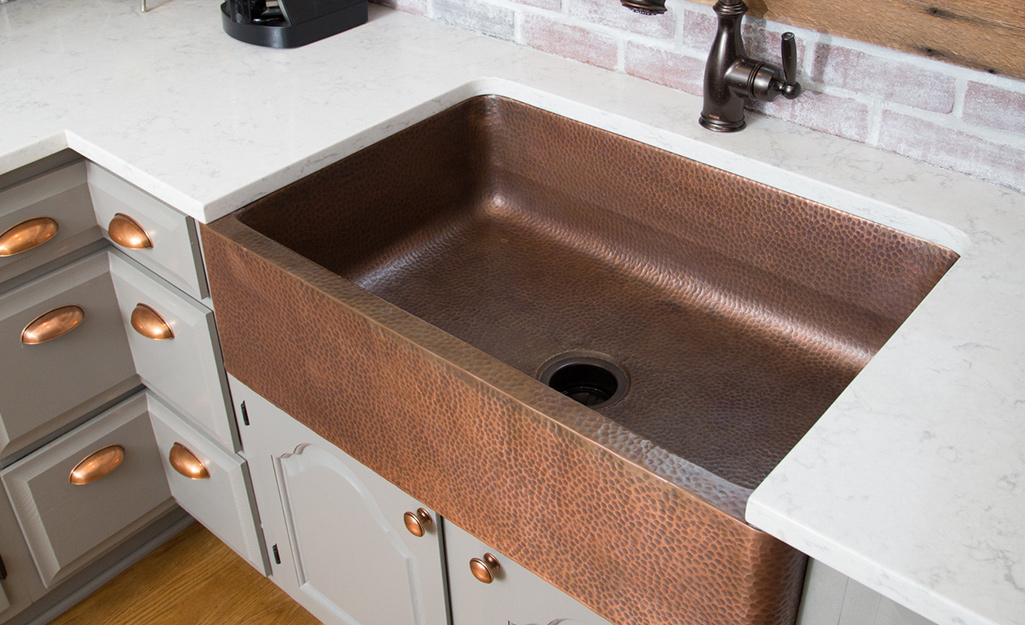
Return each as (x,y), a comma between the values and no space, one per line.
(184,369)
(174,251)
(50,384)
(515,595)
(27,239)
(212,485)
(67,525)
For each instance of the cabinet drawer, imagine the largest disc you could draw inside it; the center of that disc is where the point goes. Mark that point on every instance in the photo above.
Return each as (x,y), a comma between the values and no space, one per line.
(48,385)
(27,240)
(184,369)
(174,243)
(67,525)
(514,596)
(220,497)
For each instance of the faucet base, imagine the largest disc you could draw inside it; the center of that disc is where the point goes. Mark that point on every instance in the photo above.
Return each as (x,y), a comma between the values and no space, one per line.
(719,125)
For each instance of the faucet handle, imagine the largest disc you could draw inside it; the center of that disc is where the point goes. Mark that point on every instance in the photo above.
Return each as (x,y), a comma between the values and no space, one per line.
(789,87)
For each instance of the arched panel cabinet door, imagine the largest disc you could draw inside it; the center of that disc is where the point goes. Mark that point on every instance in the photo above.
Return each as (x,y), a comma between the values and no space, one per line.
(337,531)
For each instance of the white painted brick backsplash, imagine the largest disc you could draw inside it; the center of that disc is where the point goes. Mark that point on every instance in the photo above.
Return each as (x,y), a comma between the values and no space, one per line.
(949,116)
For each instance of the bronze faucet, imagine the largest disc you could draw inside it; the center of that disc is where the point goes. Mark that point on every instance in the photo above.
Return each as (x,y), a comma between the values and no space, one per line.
(730,76)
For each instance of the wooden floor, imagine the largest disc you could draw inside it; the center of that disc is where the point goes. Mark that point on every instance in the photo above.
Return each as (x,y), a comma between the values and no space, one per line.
(193,579)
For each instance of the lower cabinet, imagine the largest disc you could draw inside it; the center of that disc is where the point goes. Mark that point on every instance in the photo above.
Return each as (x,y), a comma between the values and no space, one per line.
(336,530)
(513,596)
(832,598)
(81,494)
(355,550)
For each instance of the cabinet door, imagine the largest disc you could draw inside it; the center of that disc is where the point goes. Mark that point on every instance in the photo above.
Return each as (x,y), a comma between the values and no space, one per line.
(184,369)
(338,540)
(48,384)
(514,597)
(55,207)
(173,247)
(211,484)
(90,489)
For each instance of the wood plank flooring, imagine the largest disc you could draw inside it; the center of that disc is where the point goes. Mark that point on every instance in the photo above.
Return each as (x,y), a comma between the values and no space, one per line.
(193,579)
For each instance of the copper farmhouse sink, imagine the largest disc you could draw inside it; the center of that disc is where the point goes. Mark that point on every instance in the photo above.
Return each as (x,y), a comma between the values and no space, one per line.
(583,349)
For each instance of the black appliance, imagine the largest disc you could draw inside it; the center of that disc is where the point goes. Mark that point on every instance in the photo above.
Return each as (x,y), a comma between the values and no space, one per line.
(290,23)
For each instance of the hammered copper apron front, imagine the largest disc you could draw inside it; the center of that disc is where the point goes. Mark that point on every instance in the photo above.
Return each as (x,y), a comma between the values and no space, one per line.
(403,301)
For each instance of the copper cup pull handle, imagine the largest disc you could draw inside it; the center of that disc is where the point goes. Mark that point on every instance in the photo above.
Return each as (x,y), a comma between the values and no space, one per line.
(52,324)
(418,522)
(186,463)
(150,324)
(25,235)
(97,465)
(127,232)
(484,569)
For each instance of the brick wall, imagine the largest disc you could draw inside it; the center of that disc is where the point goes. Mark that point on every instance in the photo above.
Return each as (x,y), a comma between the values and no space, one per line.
(949,116)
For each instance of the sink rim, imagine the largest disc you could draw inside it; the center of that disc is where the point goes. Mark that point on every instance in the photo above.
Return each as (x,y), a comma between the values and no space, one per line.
(247,213)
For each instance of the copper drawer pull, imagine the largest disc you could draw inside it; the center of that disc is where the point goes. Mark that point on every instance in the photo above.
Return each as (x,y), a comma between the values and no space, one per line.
(418,522)
(150,324)
(22,237)
(97,465)
(484,569)
(186,463)
(52,324)
(127,232)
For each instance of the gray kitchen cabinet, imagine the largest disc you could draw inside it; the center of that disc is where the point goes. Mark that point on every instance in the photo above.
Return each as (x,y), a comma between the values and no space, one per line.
(85,325)
(171,247)
(336,529)
(43,218)
(514,596)
(832,598)
(182,366)
(82,493)
(74,364)
(21,583)
(210,483)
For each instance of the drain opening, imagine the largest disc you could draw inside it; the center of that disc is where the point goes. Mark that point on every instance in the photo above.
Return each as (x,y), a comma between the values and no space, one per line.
(593,382)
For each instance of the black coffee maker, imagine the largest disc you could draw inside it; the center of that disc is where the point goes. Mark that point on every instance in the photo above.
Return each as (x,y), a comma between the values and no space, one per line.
(290,23)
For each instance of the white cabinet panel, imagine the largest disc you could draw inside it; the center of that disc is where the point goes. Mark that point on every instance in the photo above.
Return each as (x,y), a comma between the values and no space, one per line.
(832,598)
(221,501)
(175,253)
(337,527)
(515,597)
(184,370)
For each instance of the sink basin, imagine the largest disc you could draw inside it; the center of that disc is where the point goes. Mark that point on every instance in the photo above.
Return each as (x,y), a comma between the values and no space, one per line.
(692,326)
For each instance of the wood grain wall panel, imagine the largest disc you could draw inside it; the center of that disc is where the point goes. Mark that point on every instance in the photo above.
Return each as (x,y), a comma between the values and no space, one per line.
(987,35)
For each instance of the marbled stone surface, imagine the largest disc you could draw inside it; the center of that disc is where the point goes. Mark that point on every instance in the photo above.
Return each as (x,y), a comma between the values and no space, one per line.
(913,483)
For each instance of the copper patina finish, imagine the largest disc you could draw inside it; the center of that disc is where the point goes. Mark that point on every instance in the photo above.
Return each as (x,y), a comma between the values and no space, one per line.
(440,269)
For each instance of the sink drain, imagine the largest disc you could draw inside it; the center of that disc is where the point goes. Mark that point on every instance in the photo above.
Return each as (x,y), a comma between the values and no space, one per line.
(593,382)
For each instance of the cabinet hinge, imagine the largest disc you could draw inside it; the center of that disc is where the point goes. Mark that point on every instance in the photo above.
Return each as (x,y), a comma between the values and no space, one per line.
(245,413)
(277,556)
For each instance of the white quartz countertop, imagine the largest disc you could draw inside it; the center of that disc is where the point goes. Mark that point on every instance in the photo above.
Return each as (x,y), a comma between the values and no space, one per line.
(913,483)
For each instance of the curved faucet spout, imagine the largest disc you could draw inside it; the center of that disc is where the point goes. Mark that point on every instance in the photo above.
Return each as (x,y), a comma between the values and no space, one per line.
(731,77)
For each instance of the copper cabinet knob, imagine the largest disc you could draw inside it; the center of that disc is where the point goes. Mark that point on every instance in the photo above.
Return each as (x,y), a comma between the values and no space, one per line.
(484,569)
(418,522)
(187,463)
(52,324)
(23,236)
(97,465)
(127,232)
(150,324)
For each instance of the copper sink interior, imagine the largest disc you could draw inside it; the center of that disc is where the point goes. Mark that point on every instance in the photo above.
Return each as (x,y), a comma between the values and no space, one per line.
(739,312)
